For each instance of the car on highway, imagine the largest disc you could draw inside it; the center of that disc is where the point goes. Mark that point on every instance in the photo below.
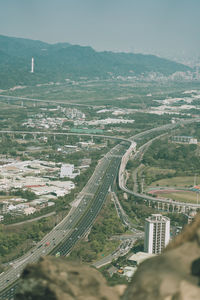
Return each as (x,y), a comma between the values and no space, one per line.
(57,254)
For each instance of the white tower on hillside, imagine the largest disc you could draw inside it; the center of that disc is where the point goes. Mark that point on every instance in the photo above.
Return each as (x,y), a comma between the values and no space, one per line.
(32,65)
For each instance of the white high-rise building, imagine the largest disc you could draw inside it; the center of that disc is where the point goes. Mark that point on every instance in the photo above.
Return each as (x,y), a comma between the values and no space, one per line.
(67,171)
(157,233)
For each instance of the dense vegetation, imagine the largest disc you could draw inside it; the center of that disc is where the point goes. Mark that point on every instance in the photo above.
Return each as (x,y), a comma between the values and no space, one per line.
(60,61)
(138,210)
(106,225)
(14,241)
(180,157)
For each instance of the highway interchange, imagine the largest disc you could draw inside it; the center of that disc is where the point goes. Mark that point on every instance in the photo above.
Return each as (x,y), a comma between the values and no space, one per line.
(123,187)
(140,152)
(77,223)
(64,236)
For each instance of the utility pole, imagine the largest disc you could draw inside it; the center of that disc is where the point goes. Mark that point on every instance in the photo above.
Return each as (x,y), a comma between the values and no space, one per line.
(195,179)
(142,184)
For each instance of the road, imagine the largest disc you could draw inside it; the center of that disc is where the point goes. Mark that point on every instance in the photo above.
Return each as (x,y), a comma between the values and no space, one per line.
(122,185)
(54,133)
(81,217)
(16,98)
(139,153)
(75,225)
(32,220)
(122,250)
(124,217)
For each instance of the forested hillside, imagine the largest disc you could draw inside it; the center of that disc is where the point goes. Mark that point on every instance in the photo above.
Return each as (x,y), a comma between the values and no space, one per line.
(60,61)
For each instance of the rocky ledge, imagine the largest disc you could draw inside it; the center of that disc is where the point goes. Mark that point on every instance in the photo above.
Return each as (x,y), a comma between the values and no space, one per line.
(173,275)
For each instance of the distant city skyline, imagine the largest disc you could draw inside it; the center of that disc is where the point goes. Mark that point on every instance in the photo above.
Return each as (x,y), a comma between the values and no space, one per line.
(168,28)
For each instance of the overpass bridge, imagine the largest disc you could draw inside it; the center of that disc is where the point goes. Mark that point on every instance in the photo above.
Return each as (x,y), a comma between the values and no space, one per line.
(160,203)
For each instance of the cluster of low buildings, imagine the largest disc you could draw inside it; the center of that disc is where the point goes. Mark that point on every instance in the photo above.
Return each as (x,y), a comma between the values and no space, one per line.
(117,111)
(134,261)
(106,121)
(45,179)
(44,121)
(73,113)
(184,139)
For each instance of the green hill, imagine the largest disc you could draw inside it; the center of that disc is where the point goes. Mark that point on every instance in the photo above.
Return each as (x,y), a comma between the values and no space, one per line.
(63,60)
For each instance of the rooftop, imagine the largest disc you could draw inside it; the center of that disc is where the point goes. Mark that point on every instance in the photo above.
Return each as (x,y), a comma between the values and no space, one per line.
(140,257)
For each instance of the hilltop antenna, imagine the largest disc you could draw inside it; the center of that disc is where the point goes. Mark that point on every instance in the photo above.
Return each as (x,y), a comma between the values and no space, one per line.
(32,65)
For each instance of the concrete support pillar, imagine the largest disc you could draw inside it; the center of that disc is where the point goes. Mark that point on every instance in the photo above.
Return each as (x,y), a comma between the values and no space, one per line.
(194,209)
(163,206)
(158,206)
(173,206)
(183,209)
(168,207)
(34,136)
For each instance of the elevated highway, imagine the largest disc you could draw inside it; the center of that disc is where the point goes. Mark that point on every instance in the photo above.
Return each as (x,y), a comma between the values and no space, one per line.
(36,100)
(89,203)
(161,203)
(61,239)
(23,133)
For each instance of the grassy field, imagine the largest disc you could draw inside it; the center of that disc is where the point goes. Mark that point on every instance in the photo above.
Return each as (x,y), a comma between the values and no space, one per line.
(184,181)
(180,196)
(152,171)
(3,198)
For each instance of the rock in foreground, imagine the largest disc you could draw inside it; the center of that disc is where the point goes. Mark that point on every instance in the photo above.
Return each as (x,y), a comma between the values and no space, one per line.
(56,279)
(174,275)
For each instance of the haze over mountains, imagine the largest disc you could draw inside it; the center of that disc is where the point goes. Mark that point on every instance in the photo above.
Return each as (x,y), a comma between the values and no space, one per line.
(62,60)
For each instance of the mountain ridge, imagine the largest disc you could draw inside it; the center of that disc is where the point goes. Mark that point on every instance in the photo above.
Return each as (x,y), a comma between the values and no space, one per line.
(58,61)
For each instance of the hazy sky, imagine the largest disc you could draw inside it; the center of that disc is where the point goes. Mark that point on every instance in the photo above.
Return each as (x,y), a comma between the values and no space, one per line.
(164,27)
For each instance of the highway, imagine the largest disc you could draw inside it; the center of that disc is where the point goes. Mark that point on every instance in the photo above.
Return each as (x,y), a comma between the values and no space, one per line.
(54,133)
(123,187)
(75,225)
(64,102)
(83,213)
(122,250)
(139,153)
